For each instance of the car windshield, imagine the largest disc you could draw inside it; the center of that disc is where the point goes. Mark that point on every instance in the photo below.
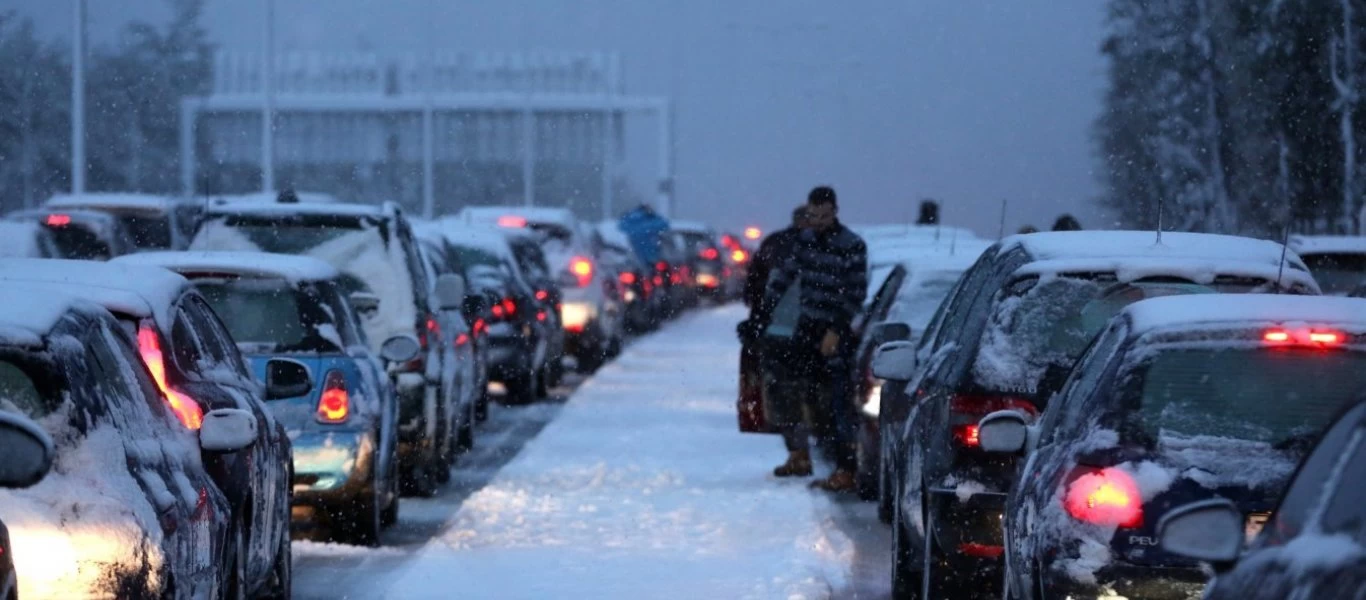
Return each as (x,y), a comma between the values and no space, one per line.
(1039,322)
(1337,273)
(271,315)
(1272,395)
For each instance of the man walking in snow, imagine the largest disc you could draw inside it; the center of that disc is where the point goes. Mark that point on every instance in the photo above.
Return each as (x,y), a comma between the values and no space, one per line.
(810,303)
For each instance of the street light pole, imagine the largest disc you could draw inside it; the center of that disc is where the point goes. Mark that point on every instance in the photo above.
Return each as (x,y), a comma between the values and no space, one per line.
(268,103)
(78,100)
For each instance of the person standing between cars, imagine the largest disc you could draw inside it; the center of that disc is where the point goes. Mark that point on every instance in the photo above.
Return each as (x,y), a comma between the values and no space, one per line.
(815,291)
(753,372)
(774,248)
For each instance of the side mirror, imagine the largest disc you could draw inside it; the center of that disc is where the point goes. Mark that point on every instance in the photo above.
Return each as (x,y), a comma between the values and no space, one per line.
(400,349)
(28,451)
(894,361)
(1054,377)
(893,331)
(1003,432)
(1208,530)
(227,430)
(287,378)
(450,291)
(365,303)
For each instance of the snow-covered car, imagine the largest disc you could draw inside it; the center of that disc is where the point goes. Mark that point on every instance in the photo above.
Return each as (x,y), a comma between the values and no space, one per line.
(470,364)
(591,317)
(128,509)
(1178,400)
(519,329)
(23,239)
(374,248)
(1337,262)
(1312,546)
(711,273)
(28,457)
(194,361)
(1029,304)
(294,325)
(642,308)
(154,222)
(80,233)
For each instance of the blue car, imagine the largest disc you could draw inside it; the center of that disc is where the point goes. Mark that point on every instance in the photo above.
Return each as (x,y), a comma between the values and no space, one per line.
(299,332)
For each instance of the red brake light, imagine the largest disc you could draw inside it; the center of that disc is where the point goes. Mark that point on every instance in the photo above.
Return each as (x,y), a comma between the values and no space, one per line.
(709,254)
(509,306)
(1303,337)
(1105,497)
(967,410)
(184,407)
(480,326)
(582,269)
(541,295)
(58,220)
(512,221)
(1324,337)
(334,406)
(661,266)
(541,316)
(753,233)
(462,339)
(498,311)
(739,256)
(627,278)
(1276,335)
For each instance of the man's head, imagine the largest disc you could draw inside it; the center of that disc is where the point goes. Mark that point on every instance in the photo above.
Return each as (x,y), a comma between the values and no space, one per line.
(799,217)
(821,208)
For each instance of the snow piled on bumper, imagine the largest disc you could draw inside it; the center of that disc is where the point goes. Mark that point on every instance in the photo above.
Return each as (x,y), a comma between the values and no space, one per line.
(643,487)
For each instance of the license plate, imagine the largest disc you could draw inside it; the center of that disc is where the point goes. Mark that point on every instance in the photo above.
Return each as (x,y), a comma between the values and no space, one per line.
(1255,522)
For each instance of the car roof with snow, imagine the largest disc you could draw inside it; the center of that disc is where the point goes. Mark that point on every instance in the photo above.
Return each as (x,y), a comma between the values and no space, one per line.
(476,236)
(1206,310)
(32,311)
(295,269)
(1322,244)
(873,233)
(487,215)
(137,290)
(276,209)
(612,235)
(690,227)
(270,198)
(1056,245)
(112,200)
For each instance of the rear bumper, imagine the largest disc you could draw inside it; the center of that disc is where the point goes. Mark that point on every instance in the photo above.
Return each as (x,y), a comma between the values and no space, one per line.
(1120,580)
(332,468)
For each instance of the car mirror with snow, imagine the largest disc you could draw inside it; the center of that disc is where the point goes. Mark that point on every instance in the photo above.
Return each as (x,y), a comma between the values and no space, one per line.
(287,378)
(1210,531)
(894,361)
(892,331)
(28,451)
(400,349)
(450,291)
(365,303)
(1004,432)
(227,430)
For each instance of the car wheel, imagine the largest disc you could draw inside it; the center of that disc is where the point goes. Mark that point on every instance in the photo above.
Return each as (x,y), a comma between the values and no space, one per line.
(361,526)
(420,480)
(590,360)
(886,494)
(481,405)
(464,440)
(282,573)
(522,388)
(235,585)
(390,514)
(543,382)
(906,574)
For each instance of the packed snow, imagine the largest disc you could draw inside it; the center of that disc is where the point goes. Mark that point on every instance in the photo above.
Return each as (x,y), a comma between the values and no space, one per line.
(1254,309)
(294,269)
(1138,244)
(643,487)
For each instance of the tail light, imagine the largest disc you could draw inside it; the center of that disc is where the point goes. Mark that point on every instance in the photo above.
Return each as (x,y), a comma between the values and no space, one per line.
(56,220)
(966,410)
(431,328)
(541,295)
(1303,337)
(334,406)
(707,280)
(1107,496)
(480,326)
(738,256)
(512,221)
(184,407)
(462,339)
(582,269)
(659,281)
(661,266)
(510,307)
(709,254)
(541,316)
(627,278)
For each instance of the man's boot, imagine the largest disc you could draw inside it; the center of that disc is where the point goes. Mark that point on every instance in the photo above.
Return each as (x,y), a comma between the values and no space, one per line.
(798,465)
(840,481)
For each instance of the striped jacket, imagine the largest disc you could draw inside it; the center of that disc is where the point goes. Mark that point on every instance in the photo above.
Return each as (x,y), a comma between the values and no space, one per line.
(833,268)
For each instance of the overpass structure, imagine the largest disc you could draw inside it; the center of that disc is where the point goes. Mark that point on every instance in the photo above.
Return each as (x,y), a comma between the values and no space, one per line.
(434,131)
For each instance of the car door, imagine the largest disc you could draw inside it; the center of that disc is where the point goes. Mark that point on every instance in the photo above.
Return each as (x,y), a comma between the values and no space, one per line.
(155,447)
(269,457)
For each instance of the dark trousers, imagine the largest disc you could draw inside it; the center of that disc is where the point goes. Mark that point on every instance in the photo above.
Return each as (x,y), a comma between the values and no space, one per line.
(800,399)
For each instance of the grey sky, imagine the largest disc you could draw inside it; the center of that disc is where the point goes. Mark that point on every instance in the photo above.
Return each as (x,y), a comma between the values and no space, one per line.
(968,101)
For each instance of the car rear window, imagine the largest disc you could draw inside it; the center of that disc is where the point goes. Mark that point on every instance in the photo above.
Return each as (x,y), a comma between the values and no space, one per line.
(271,315)
(1337,272)
(148,230)
(1271,395)
(1050,321)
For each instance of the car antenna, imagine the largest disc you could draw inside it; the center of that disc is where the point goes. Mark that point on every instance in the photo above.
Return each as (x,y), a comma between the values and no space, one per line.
(1285,247)
(1159,220)
(1001,233)
(953,241)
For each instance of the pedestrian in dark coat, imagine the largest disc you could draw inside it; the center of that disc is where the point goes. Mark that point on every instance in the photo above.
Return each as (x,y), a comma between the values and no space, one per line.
(817,290)
(777,246)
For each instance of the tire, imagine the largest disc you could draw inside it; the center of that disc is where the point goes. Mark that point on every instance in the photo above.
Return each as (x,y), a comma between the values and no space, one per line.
(522,388)
(464,437)
(394,485)
(886,495)
(360,526)
(389,516)
(282,573)
(906,577)
(590,360)
(543,383)
(420,480)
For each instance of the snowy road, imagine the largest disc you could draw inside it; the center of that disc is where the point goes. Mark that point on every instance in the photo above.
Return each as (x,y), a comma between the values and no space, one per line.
(639,486)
